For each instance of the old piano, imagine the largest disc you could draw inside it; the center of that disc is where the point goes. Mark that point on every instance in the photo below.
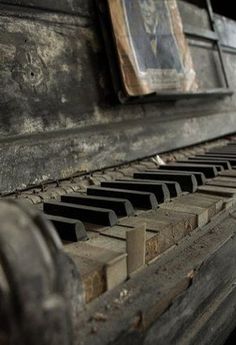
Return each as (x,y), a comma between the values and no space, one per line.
(118,172)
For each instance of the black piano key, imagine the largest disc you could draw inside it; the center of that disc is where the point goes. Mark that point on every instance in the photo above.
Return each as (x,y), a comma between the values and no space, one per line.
(122,207)
(86,214)
(140,200)
(200,177)
(69,229)
(223,147)
(229,158)
(218,167)
(230,155)
(223,150)
(226,164)
(159,190)
(173,187)
(208,170)
(187,182)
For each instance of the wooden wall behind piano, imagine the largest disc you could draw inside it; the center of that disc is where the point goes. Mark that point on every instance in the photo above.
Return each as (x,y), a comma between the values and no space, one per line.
(57,115)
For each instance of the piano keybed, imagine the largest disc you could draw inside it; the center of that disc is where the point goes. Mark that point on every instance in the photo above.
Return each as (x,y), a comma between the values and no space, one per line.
(169,202)
(104,209)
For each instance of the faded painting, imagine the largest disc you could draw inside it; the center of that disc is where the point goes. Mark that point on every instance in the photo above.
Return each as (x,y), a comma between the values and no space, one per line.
(151,46)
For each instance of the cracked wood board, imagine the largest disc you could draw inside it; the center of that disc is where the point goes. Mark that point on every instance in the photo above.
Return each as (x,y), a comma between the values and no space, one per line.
(156,220)
(225,179)
(136,248)
(137,240)
(200,212)
(228,184)
(216,190)
(151,295)
(164,233)
(230,173)
(170,227)
(119,244)
(101,268)
(212,206)
(92,276)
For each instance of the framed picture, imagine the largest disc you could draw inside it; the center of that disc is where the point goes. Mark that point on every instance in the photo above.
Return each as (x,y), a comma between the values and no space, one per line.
(152,50)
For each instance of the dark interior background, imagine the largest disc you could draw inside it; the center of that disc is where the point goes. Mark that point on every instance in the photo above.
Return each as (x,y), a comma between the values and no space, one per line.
(224,8)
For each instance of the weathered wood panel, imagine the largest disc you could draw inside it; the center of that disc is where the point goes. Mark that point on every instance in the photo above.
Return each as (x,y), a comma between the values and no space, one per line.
(162,306)
(81,7)
(227,31)
(209,72)
(206,317)
(52,156)
(57,110)
(51,72)
(195,16)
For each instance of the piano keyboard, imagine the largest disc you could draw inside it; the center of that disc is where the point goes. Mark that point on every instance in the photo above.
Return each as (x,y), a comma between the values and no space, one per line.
(147,189)
(117,222)
(170,201)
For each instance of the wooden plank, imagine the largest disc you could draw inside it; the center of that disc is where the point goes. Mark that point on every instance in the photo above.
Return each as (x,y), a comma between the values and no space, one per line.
(226,29)
(200,212)
(183,223)
(37,48)
(136,248)
(100,267)
(117,240)
(222,191)
(210,196)
(176,293)
(200,33)
(92,275)
(165,228)
(193,15)
(215,320)
(152,224)
(212,206)
(116,271)
(169,226)
(108,149)
(227,184)
(108,243)
(229,173)
(226,179)
(164,235)
(119,232)
(136,239)
(161,219)
(227,202)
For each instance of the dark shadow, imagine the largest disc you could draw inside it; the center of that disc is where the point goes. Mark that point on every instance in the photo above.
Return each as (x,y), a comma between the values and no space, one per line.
(232,338)
(224,8)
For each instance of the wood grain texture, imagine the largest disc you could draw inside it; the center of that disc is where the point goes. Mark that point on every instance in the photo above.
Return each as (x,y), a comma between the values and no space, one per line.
(33,159)
(80,7)
(58,114)
(179,299)
(43,79)
(202,322)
